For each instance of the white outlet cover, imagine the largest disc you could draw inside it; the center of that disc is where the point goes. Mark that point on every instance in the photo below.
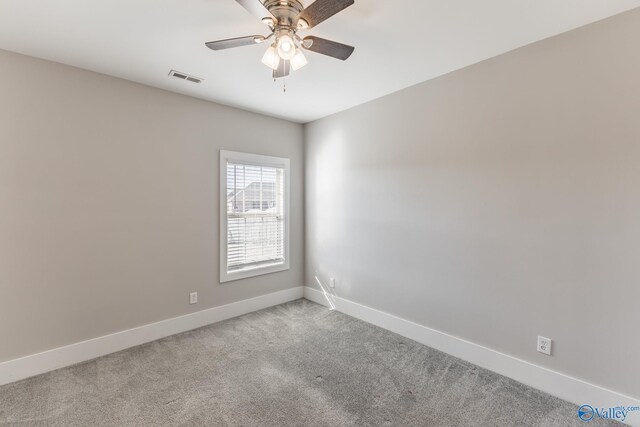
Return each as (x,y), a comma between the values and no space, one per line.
(544,345)
(332,283)
(193,298)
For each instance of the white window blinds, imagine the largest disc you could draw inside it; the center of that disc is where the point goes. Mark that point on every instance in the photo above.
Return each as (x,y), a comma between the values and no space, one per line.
(255,197)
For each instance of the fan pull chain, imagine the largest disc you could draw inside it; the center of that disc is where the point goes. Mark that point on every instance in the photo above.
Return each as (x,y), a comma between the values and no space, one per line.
(284,81)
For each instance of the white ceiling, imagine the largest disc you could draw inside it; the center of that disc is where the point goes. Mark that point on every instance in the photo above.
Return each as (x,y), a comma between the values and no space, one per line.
(398,44)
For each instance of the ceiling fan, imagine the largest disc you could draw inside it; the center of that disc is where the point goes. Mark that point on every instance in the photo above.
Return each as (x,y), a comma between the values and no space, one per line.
(285,18)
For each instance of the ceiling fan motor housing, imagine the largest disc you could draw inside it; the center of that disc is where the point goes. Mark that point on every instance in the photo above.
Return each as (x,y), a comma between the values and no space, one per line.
(285,11)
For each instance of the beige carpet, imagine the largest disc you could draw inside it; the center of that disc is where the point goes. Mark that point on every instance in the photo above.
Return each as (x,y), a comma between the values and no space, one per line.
(297,364)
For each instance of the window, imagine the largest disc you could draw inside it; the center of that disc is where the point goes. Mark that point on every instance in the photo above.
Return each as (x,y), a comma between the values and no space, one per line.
(254,215)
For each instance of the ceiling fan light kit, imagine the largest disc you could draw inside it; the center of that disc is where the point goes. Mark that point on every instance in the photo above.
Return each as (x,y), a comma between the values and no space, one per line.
(298,61)
(285,18)
(286,47)
(271,58)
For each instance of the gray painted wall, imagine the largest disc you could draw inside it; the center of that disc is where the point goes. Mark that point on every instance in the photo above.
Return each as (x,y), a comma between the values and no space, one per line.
(496,203)
(109,203)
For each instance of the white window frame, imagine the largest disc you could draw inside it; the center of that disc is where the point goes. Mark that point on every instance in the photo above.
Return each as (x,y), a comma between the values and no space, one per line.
(254,160)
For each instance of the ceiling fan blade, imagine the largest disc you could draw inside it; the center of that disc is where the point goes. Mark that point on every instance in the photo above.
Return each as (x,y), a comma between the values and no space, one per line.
(237,42)
(329,48)
(321,10)
(284,69)
(256,8)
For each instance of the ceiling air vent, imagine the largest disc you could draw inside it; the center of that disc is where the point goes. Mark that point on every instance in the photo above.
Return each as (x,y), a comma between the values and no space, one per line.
(184,76)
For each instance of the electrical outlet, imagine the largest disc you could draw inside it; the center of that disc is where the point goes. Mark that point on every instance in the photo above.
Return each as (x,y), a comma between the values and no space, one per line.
(544,345)
(193,298)
(332,283)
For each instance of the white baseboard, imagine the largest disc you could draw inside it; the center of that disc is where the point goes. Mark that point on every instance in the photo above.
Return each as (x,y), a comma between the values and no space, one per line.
(28,366)
(554,383)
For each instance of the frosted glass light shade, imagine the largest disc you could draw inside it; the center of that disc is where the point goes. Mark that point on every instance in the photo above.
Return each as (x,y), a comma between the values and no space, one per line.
(286,47)
(271,58)
(299,60)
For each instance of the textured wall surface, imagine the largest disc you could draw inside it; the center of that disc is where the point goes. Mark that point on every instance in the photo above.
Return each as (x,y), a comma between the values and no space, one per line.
(496,203)
(109,203)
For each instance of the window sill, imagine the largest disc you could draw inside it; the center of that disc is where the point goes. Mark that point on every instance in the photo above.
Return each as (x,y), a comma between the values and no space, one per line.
(230,276)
